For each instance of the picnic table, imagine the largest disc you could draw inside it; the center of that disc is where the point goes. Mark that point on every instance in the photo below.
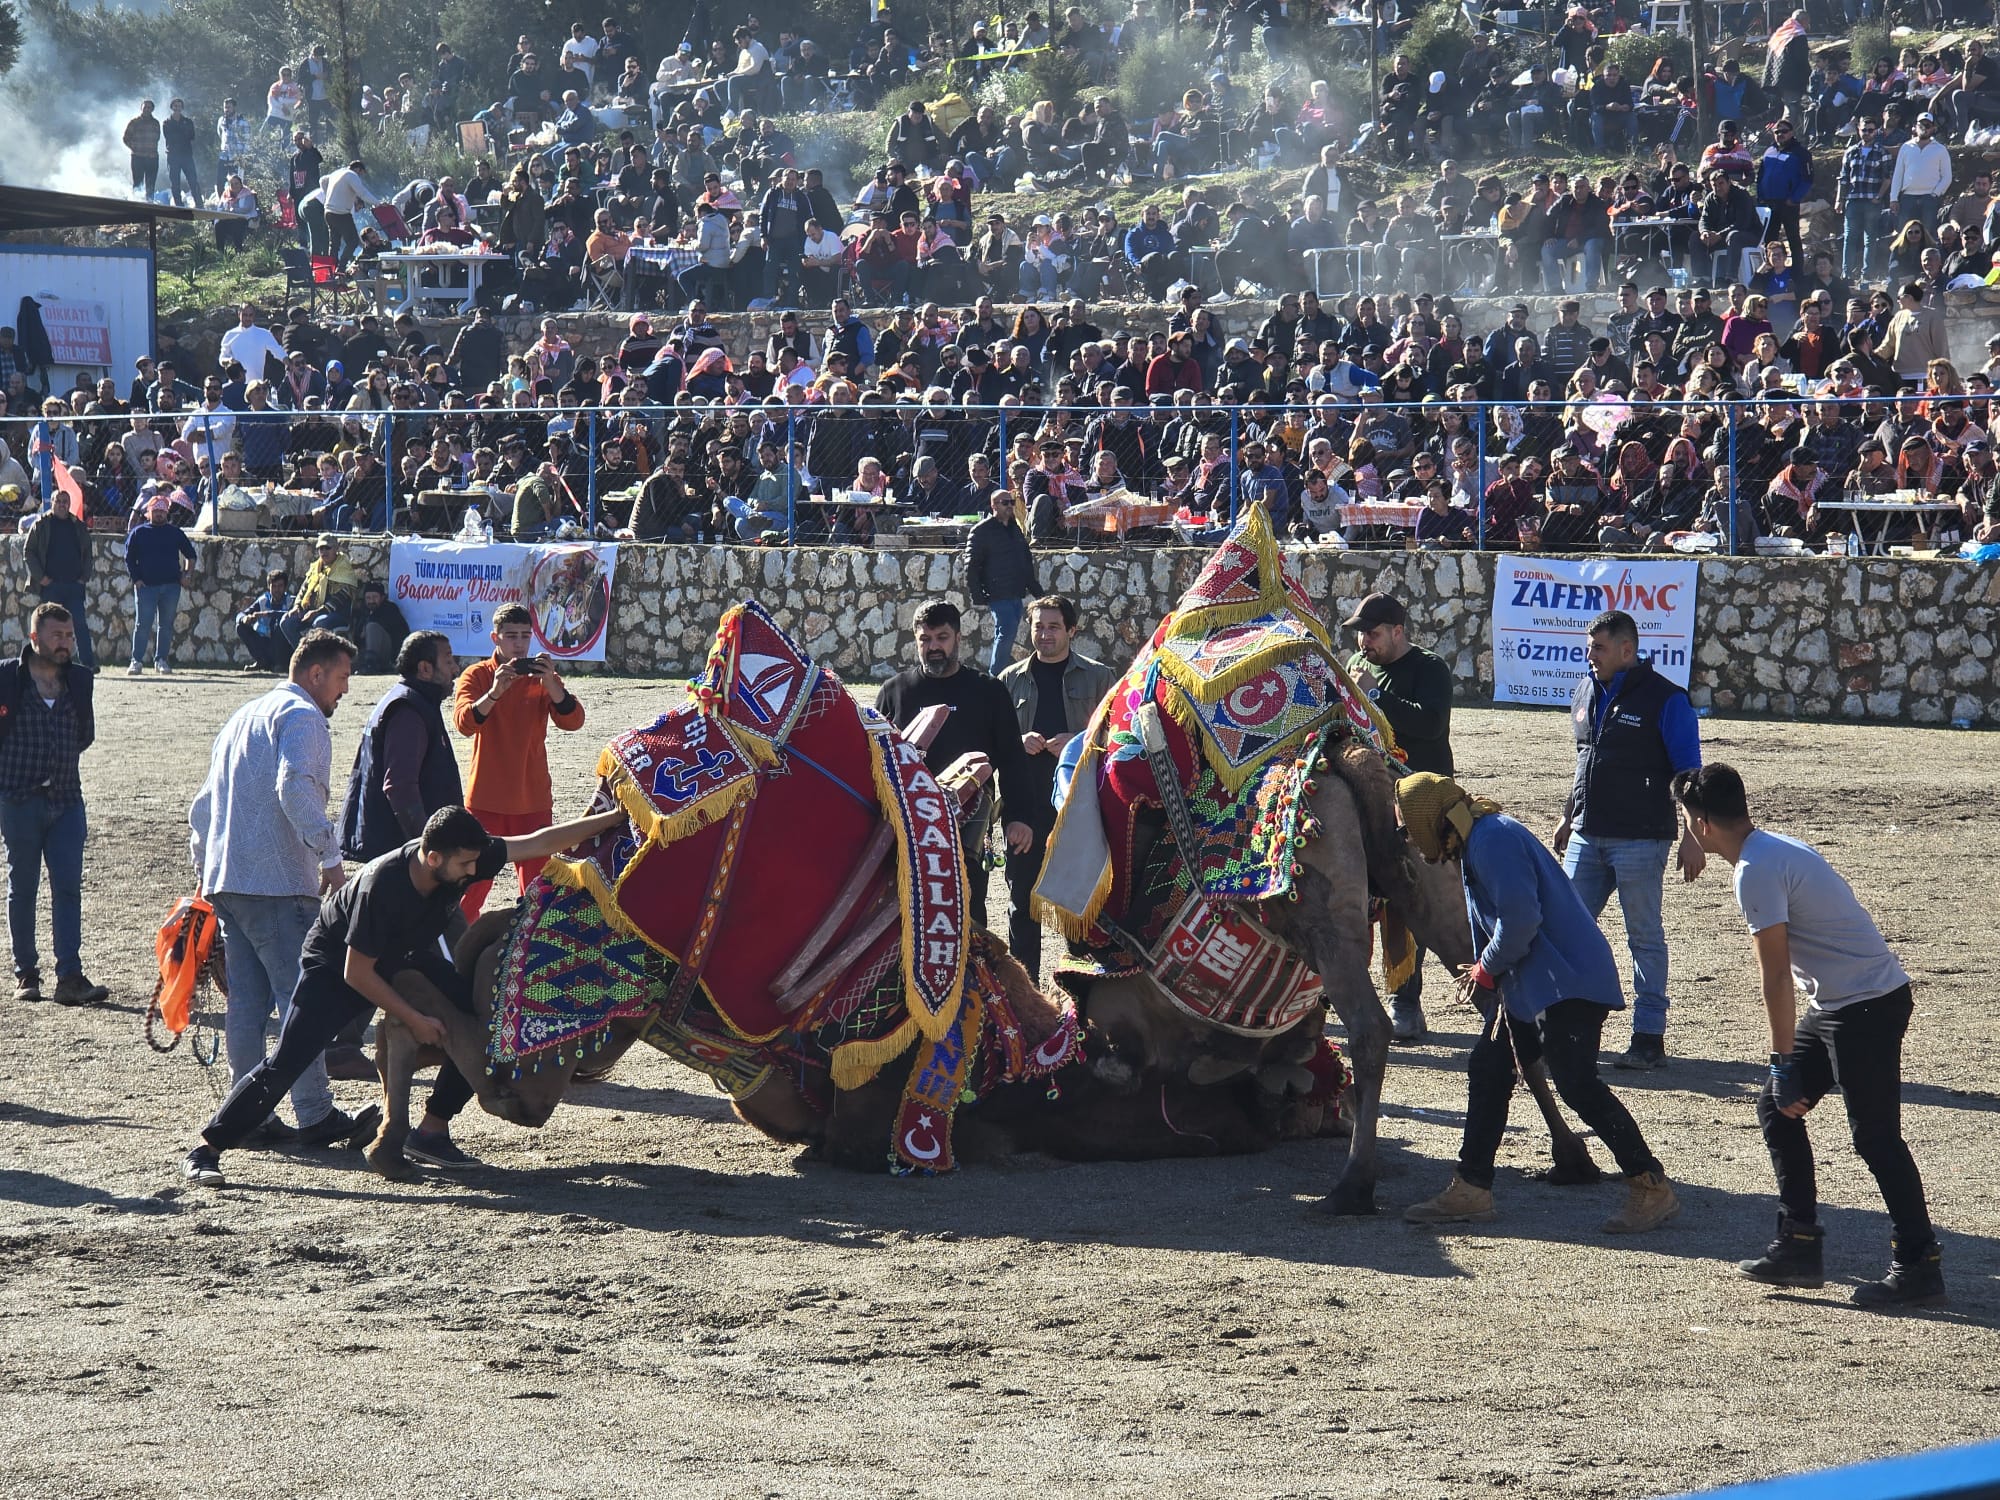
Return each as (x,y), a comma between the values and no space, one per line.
(463,298)
(1896,503)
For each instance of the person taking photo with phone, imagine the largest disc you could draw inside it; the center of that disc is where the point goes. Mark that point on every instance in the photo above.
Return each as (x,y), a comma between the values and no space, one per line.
(504,705)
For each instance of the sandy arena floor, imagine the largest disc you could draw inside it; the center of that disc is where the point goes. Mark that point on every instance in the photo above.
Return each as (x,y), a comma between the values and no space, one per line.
(645,1298)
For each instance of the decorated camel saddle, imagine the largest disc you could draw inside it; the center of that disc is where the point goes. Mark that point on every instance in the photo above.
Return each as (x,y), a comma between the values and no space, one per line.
(1184,802)
(790,893)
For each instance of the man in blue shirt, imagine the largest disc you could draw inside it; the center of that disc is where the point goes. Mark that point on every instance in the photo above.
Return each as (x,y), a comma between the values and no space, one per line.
(1784,177)
(153,557)
(1544,980)
(1149,245)
(1634,730)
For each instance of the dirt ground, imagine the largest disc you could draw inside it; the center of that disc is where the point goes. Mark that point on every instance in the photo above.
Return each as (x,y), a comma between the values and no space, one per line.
(646,1298)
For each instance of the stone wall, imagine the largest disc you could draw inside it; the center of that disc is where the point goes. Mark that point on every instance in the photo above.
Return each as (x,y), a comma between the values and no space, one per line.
(1817,638)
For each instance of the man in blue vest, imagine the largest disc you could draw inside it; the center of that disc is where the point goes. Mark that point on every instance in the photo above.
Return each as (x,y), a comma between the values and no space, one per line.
(1634,731)
(405,768)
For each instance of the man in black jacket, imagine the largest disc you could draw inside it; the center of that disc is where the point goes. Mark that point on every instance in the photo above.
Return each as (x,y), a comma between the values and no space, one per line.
(1635,730)
(46,723)
(1054,692)
(1412,687)
(405,768)
(981,721)
(1000,574)
(59,562)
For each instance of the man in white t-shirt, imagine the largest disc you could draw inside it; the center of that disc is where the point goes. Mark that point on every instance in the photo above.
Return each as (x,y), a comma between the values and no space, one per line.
(1813,938)
(580,52)
(251,346)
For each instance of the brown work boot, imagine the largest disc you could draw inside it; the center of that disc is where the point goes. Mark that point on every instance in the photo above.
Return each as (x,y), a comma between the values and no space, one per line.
(74,989)
(1649,1203)
(1459,1203)
(28,987)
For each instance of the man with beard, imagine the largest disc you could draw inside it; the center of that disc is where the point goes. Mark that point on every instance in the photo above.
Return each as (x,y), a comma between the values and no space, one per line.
(1412,687)
(46,723)
(981,721)
(1054,692)
(267,852)
(387,919)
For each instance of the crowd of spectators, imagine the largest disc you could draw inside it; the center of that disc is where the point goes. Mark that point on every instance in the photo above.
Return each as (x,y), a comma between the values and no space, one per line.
(677,192)
(1563,436)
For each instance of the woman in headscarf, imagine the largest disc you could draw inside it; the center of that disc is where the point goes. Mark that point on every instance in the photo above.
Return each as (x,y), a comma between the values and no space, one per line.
(1544,981)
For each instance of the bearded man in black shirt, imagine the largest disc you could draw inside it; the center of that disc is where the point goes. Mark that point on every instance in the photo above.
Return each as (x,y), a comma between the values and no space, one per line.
(1412,688)
(388,918)
(981,722)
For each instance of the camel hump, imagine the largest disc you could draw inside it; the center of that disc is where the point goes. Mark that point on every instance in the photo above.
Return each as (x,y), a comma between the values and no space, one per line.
(1373,784)
(480,936)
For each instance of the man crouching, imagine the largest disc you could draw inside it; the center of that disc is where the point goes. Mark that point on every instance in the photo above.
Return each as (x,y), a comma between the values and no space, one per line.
(387,918)
(1545,982)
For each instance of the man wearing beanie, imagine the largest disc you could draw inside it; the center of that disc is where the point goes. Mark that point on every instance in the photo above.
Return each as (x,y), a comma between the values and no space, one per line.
(1544,981)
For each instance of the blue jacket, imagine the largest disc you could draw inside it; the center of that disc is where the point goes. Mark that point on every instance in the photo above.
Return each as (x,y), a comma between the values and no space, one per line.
(1532,930)
(1784,176)
(1141,241)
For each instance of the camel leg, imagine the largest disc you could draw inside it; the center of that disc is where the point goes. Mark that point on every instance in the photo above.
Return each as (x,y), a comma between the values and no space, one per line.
(1332,927)
(1570,1159)
(396,1060)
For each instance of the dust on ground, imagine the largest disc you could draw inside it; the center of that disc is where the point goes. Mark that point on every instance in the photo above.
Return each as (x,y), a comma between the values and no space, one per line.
(647,1298)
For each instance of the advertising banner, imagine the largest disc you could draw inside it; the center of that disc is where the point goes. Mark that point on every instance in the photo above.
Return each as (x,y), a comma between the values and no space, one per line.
(454,587)
(1542,607)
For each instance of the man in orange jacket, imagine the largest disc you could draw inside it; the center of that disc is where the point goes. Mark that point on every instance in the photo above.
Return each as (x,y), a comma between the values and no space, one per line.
(505,705)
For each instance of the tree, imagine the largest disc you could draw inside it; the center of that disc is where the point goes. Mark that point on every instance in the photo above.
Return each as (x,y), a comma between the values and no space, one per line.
(10,36)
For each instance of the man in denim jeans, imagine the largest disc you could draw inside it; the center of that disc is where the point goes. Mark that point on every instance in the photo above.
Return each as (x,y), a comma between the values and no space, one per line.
(1634,731)
(267,852)
(153,556)
(46,724)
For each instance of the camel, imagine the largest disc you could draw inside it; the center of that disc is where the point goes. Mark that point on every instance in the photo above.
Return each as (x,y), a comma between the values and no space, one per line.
(1101,1109)
(1358,848)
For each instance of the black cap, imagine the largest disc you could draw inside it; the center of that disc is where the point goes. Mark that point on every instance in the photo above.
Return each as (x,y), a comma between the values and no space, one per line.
(1377,609)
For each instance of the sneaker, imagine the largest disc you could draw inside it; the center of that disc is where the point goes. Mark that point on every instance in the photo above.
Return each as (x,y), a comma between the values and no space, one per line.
(1459,1203)
(437,1150)
(166,668)
(1913,1281)
(28,988)
(75,989)
(1647,1054)
(337,1125)
(135,670)
(203,1167)
(1792,1259)
(1649,1203)
(1406,1021)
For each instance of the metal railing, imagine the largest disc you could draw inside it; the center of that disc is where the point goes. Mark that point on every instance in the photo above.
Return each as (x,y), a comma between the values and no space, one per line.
(823,447)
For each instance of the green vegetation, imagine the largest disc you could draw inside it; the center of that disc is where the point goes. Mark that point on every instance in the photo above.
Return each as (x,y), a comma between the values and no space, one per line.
(10,36)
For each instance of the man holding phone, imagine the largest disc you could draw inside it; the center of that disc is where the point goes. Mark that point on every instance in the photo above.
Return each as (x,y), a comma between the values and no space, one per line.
(505,705)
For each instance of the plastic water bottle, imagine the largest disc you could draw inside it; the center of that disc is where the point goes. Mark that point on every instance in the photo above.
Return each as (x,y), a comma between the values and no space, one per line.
(472,528)
(486,527)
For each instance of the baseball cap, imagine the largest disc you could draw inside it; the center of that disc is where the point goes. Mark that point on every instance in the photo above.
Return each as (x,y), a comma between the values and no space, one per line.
(1377,609)
(1927,115)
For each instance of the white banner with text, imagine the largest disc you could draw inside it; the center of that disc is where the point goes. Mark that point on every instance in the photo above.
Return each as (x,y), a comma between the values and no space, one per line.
(454,587)
(1543,606)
